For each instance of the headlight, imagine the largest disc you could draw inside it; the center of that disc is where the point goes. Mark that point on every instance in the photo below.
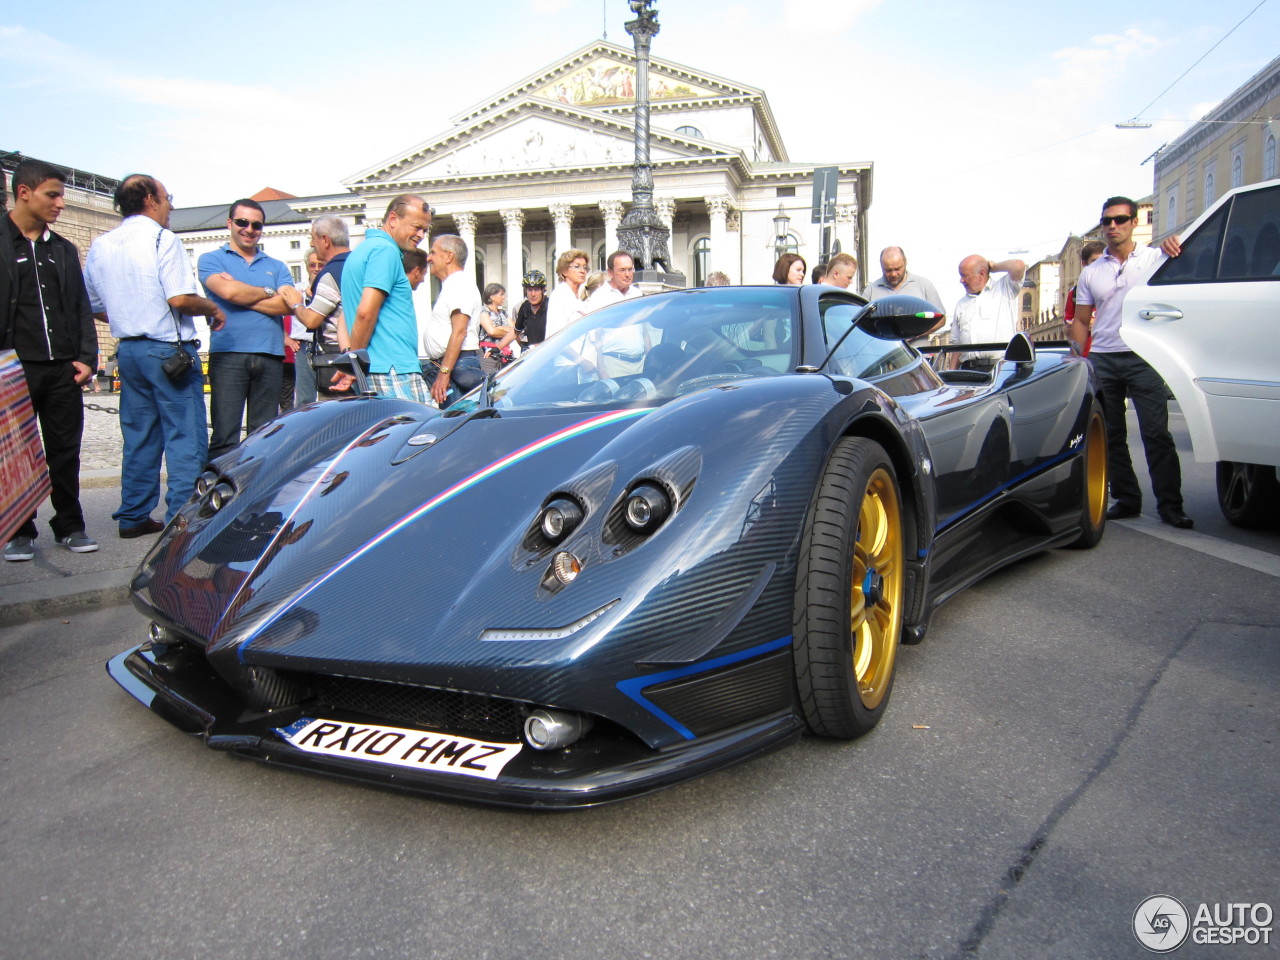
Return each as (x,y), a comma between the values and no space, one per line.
(566,567)
(205,482)
(559,519)
(646,507)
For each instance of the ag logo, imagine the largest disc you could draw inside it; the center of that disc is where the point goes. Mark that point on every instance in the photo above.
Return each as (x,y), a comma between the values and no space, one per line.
(1161,924)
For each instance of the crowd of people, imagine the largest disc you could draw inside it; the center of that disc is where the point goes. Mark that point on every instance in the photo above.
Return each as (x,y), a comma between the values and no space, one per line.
(137,278)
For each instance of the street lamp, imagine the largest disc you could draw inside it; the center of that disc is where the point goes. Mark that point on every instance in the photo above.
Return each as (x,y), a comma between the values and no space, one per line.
(781,230)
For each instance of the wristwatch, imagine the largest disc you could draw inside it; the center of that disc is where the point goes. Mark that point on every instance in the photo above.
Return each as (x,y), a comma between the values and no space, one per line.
(269,291)
(446,370)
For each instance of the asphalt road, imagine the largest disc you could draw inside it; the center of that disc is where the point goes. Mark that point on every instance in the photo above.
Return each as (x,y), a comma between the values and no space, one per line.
(1078,733)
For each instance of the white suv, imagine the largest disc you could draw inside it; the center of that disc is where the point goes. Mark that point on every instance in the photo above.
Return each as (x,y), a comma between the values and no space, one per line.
(1209,322)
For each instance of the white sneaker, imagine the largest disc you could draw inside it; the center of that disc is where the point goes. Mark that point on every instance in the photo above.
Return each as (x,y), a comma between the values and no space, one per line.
(77,542)
(20,548)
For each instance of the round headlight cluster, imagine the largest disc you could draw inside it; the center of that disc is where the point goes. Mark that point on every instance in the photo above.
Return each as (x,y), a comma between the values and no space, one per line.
(559,519)
(646,507)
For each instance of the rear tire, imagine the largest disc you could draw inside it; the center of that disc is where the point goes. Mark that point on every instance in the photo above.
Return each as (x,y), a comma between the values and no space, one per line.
(1248,494)
(849,592)
(1093,496)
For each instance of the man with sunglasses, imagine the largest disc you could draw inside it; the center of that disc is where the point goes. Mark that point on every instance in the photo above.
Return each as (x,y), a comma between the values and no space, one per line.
(1122,373)
(246,356)
(378,301)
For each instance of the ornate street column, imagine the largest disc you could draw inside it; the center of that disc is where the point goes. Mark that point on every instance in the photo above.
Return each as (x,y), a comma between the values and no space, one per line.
(640,233)
(466,224)
(718,208)
(513,220)
(611,210)
(562,217)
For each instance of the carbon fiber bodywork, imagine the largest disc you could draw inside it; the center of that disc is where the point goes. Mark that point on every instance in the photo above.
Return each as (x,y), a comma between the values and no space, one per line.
(380,565)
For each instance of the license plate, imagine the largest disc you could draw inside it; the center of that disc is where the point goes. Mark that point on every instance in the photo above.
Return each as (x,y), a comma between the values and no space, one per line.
(399,747)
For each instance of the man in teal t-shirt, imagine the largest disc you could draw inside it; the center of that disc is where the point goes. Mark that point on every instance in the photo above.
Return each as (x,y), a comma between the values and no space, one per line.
(383,318)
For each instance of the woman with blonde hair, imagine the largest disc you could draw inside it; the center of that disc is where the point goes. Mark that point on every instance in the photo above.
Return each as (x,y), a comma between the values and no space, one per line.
(565,303)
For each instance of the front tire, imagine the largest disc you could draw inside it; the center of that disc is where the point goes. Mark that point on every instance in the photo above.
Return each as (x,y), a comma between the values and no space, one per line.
(1248,494)
(1093,496)
(849,592)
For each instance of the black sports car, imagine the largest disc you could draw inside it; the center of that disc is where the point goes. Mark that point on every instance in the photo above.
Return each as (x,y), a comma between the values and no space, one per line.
(686,529)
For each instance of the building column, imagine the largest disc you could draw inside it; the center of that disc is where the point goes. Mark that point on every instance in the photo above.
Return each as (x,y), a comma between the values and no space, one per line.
(562,217)
(847,234)
(718,208)
(611,210)
(513,220)
(733,261)
(466,224)
(665,208)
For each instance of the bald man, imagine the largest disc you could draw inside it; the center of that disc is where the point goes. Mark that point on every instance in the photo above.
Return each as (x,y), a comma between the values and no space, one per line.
(896,280)
(988,311)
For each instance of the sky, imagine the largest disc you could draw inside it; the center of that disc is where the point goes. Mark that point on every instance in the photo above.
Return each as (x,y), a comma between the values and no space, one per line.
(991,126)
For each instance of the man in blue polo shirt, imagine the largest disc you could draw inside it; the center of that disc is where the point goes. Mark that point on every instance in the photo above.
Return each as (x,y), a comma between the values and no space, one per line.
(246,357)
(378,300)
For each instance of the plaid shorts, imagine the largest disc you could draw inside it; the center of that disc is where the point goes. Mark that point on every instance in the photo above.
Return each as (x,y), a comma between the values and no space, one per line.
(406,386)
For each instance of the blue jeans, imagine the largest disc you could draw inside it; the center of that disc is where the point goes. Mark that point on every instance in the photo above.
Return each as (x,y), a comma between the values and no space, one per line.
(304,384)
(241,386)
(1127,374)
(158,416)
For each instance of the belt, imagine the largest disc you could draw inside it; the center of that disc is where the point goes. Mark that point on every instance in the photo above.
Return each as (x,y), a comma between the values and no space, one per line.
(158,340)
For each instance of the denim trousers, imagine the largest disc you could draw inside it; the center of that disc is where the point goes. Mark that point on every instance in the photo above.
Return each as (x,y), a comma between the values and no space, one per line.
(158,417)
(304,384)
(242,386)
(1125,374)
(59,408)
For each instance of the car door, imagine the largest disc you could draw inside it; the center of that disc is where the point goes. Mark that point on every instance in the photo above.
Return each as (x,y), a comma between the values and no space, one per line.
(1209,322)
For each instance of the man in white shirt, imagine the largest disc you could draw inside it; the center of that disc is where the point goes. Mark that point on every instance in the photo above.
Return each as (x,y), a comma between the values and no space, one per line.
(988,311)
(619,351)
(450,338)
(140,281)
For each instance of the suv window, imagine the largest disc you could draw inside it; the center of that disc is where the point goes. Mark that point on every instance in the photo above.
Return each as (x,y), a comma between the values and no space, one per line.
(1241,241)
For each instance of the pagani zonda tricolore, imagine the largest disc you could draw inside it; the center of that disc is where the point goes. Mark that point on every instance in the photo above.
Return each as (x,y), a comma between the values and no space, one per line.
(685,530)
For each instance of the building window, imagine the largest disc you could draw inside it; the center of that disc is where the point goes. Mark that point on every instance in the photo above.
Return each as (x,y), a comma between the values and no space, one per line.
(701,257)
(1237,171)
(297,273)
(602,257)
(1269,158)
(1173,212)
(1209,193)
(295,244)
(688,131)
(786,191)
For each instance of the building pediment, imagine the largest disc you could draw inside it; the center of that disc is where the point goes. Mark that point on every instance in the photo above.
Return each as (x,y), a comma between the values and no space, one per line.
(533,134)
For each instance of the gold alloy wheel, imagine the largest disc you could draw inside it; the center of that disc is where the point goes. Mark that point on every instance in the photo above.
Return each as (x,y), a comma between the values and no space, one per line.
(1095,470)
(876,590)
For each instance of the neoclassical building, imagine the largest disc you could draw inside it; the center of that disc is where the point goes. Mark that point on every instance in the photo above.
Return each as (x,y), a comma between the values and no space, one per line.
(545,165)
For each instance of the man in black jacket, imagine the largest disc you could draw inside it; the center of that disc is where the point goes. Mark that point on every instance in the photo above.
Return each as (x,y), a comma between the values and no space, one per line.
(45,317)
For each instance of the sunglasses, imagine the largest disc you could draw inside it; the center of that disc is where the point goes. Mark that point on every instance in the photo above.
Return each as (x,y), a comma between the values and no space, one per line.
(247,224)
(1120,220)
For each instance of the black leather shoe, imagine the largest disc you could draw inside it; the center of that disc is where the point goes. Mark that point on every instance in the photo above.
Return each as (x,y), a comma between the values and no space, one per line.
(1122,511)
(148,526)
(1174,517)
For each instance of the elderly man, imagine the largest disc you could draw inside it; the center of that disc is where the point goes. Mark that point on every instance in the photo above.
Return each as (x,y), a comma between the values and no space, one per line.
(45,318)
(322,313)
(246,355)
(841,270)
(988,311)
(140,281)
(1122,373)
(895,279)
(450,337)
(379,300)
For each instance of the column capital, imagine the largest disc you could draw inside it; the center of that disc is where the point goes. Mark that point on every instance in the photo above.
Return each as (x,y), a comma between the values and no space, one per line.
(513,219)
(465,222)
(611,210)
(733,221)
(717,206)
(561,214)
(665,208)
(846,212)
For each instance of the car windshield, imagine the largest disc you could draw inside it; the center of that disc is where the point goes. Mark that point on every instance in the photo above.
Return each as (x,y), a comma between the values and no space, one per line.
(652,349)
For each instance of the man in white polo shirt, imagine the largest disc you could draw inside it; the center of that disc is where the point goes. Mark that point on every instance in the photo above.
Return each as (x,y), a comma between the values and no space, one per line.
(620,350)
(450,337)
(1121,372)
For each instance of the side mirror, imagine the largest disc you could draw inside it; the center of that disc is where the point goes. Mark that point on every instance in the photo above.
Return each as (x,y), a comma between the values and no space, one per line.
(1020,349)
(899,317)
(357,361)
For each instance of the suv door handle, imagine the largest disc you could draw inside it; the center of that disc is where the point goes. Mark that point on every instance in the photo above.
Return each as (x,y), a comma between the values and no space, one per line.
(1160,313)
